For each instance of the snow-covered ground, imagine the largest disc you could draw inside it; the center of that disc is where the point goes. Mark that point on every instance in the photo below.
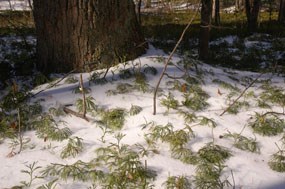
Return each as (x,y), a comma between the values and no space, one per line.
(243,169)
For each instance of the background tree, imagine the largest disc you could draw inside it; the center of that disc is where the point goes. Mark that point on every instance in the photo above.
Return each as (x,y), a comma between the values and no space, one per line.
(80,35)
(216,12)
(281,15)
(205,29)
(252,10)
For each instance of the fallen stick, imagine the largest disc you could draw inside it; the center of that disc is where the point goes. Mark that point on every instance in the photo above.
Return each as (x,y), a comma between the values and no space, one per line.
(77,114)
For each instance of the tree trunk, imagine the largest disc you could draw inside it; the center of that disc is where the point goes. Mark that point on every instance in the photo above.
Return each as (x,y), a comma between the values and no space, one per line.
(205,29)
(216,12)
(139,5)
(82,35)
(252,11)
(281,16)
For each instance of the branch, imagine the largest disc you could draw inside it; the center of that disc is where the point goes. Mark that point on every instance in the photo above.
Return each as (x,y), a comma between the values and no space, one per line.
(67,110)
(235,101)
(168,60)
(83,94)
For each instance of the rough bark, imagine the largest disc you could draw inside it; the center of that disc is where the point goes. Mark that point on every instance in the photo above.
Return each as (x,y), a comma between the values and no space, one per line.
(252,10)
(205,29)
(281,15)
(81,35)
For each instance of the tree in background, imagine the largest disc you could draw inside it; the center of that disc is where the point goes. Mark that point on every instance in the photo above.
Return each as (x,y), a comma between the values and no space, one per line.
(80,35)
(252,10)
(281,15)
(216,12)
(205,29)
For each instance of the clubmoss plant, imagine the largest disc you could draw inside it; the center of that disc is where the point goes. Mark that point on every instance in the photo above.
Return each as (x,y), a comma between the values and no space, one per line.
(244,143)
(49,129)
(31,169)
(73,148)
(114,118)
(135,110)
(50,185)
(226,85)
(90,104)
(70,80)
(177,182)
(125,169)
(277,162)
(170,102)
(267,125)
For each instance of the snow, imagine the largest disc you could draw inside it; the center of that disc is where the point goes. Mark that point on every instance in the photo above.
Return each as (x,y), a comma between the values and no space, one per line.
(250,170)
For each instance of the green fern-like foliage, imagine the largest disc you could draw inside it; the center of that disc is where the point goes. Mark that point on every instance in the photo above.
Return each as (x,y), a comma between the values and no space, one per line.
(226,85)
(244,143)
(210,165)
(273,95)
(267,125)
(48,128)
(71,80)
(177,182)
(207,121)
(214,154)
(114,119)
(80,171)
(135,110)
(170,102)
(277,162)
(150,70)
(195,102)
(73,148)
(90,104)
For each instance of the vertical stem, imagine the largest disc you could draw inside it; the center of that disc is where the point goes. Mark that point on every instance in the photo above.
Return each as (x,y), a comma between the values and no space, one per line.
(20,132)
(84,98)
(168,60)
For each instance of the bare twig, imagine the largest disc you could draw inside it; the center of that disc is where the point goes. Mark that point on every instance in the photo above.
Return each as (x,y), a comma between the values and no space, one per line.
(20,132)
(83,94)
(66,75)
(67,110)
(168,60)
(235,101)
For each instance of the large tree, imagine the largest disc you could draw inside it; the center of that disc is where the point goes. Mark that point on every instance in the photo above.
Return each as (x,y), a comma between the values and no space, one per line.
(281,16)
(81,35)
(252,10)
(205,29)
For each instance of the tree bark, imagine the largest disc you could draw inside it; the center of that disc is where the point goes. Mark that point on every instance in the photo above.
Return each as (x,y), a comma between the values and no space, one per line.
(281,15)
(252,10)
(88,34)
(205,29)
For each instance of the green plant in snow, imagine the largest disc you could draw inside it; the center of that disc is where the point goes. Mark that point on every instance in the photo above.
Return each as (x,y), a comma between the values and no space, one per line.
(177,139)
(31,169)
(89,103)
(226,85)
(207,121)
(195,102)
(70,80)
(122,88)
(97,79)
(73,148)
(188,117)
(47,128)
(135,110)
(50,185)
(213,153)
(177,182)
(114,119)
(211,158)
(56,111)
(244,143)
(277,162)
(237,106)
(79,170)
(267,125)
(125,169)
(126,74)
(169,102)
(274,95)
(141,82)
